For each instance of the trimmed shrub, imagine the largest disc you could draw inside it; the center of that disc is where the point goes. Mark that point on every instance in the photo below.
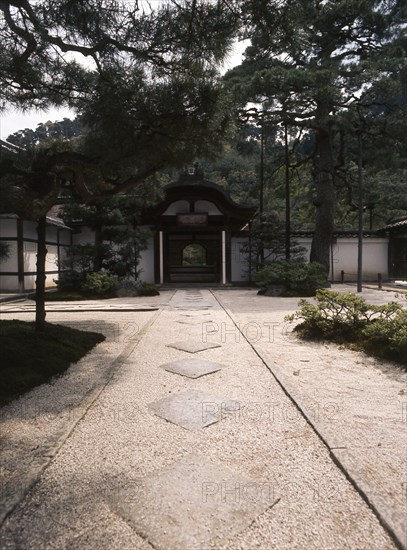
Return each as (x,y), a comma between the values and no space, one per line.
(70,281)
(136,288)
(388,337)
(99,282)
(298,277)
(147,289)
(347,318)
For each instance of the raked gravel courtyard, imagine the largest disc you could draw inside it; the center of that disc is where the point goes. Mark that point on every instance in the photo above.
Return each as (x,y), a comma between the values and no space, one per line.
(286,444)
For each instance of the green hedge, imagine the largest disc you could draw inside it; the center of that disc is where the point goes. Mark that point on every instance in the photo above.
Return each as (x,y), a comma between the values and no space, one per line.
(298,277)
(99,283)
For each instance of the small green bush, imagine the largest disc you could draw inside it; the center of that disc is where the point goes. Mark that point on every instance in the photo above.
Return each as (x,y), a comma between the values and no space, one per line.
(136,288)
(70,281)
(147,289)
(299,278)
(348,318)
(388,337)
(99,282)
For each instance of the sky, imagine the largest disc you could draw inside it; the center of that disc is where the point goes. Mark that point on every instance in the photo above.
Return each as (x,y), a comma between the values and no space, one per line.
(11,121)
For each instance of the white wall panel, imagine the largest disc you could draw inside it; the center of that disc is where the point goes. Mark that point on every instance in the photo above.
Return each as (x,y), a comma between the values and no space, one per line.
(177,207)
(239,263)
(147,263)
(8,283)
(8,227)
(30,230)
(345,258)
(207,206)
(30,256)
(11,263)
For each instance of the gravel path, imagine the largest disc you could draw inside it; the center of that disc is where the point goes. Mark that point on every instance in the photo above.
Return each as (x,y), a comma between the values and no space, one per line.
(112,441)
(357,404)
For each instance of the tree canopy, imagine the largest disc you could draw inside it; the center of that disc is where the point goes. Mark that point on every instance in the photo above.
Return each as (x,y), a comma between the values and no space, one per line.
(43,43)
(143,81)
(309,63)
(149,97)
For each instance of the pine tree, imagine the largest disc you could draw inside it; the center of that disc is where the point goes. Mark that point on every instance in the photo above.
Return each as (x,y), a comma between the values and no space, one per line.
(311,60)
(149,94)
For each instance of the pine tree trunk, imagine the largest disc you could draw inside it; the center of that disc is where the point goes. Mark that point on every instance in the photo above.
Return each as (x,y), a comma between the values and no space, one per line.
(40,280)
(325,201)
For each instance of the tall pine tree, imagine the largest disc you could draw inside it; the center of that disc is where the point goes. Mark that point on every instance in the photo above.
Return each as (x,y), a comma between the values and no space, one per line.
(311,60)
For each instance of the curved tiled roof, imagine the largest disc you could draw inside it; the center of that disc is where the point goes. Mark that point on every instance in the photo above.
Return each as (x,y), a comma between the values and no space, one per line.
(397,223)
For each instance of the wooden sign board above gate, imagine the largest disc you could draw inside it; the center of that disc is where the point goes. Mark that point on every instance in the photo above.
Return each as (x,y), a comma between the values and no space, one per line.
(192,219)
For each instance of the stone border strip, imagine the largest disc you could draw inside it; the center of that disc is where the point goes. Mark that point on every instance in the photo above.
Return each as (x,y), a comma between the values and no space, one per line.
(297,402)
(88,400)
(86,309)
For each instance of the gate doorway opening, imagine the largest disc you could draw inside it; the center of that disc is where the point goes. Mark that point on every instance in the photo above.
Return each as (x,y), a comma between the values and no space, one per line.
(193,258)
(194,254)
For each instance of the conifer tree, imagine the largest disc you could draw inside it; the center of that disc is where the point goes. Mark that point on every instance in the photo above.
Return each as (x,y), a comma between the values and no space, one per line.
(311,60)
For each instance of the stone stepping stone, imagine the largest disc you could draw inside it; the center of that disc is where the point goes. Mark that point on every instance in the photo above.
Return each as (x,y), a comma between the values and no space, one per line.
(191,308)
(193,347)
(195,315)
(192,504)
(193,321)
(193,409)
(192,368)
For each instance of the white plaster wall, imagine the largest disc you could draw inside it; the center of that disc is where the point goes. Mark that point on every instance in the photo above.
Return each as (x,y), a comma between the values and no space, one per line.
(177,207)
(375,254)
(146,265)
(304,242)
(345,257)
(30,265)
(51,260)
(207,207)
(30,230)
(8,227)
(239,264)
(8,283)
(30,256)
(29,282)
(11,264)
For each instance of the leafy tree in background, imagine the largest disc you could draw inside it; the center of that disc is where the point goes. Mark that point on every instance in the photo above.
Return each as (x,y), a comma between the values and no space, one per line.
(310,61)
(49,132)
(118,239)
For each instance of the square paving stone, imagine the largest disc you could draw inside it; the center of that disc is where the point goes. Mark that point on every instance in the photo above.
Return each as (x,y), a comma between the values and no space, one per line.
(195,314)
(192,368)
(194,409)
(192,505)
(194,321)
(193,347)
